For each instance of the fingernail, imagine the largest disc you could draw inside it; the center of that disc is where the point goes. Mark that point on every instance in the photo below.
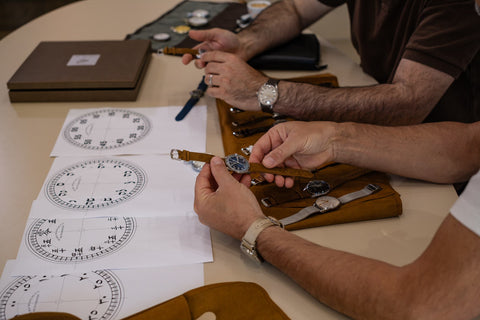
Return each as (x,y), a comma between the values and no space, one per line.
(216,161)
(268,162)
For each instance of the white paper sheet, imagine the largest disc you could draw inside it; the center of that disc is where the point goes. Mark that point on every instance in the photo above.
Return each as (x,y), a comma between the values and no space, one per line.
(153,185)
(101,294)
(115,131)
(70,245)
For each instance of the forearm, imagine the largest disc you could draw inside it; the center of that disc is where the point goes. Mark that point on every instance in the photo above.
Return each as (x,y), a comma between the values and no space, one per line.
(356,286)
(385,104)
(279,23)
(444,152)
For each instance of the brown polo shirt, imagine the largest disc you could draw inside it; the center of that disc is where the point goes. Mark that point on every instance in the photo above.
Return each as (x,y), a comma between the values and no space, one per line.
(442,34)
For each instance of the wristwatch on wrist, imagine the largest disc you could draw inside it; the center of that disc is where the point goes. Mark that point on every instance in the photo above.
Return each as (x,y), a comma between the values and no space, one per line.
(249,240)
(267,95)
(239,164)
(326,203)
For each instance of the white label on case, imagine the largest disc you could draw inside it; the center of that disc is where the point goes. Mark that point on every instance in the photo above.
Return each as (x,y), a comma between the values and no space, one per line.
(83,60)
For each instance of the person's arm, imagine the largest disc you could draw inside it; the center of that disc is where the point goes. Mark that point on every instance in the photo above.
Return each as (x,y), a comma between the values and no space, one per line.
(440,284)
(443,152)
(279,23)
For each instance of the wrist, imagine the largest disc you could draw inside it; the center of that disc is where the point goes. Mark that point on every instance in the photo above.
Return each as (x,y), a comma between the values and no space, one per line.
(249,240)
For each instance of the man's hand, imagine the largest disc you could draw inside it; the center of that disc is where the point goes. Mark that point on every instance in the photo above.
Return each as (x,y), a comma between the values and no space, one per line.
(211,40)
(305,145)
(231,79)
(222,202)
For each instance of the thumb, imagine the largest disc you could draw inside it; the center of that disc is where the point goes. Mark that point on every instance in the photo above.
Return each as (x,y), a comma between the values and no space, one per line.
(220,171)
(278,155)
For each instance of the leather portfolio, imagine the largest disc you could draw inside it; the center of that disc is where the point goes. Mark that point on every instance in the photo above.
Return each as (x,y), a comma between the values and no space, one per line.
(81,71)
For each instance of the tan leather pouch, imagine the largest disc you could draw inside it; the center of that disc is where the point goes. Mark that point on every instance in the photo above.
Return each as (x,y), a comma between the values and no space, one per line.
(342,178)
(227,301)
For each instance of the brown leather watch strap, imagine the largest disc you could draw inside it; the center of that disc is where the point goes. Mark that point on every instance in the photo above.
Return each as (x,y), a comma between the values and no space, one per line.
(287,172)
(179,51)
(254,167)
(331,176)
(190,156)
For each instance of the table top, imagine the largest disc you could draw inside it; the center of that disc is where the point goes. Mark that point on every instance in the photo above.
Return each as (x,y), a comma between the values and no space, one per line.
(29,131)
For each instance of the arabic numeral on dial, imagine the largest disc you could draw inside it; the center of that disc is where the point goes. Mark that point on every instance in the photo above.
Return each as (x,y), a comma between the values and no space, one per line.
(62,193)
(101,166)
(127,174)
(103,143)
(89,201)
(74,129)
(140,127)
(96,116)
(133,135)
(77,137)
(136,120)
(60,184)
(126,116)
(87,141)
(119,141)
(83,121)
(111,113)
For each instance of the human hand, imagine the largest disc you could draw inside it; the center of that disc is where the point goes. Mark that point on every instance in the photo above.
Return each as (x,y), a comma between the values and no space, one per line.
(213,39)
(224,201)
(294,144)
(231,79)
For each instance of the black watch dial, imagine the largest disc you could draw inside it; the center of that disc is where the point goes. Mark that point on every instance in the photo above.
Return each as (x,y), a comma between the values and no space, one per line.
(317,188)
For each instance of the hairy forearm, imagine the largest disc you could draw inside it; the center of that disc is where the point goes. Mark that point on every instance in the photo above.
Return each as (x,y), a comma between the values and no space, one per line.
(444,152)
(353,285)
(264,33)
(386,104)
(440,284)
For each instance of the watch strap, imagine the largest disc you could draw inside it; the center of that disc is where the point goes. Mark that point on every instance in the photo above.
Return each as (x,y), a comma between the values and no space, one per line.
(308,211)
(367,190)
(330,176)
(185,155)
(300,215)
(249,240)
(288,172)
(254,167)
(195,95)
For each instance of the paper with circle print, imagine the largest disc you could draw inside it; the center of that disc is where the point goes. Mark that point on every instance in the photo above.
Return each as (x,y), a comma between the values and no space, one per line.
(100,294)
(69,245)
(120,131)
(147,185)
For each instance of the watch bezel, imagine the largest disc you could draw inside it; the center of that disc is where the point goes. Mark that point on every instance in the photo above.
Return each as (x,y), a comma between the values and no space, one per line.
(326,203)
(230,166)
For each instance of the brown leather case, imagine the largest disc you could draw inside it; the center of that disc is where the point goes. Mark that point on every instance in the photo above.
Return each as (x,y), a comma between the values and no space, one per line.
(117,75)
(342,178)
(228,301)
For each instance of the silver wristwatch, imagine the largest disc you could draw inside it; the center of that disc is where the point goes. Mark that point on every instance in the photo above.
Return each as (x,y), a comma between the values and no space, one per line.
(249,241)
(326,203)
(267,95)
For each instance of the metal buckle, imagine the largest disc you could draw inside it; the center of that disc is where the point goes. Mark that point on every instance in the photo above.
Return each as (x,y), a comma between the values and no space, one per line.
(373,187)
(196,94)
(267,203)
(174,154)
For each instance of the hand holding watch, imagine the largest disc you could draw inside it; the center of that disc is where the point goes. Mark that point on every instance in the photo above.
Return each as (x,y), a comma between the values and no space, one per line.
(239,164)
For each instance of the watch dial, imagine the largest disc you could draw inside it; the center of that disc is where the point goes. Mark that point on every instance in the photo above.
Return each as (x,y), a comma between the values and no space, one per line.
(95,184)
(97,294)
(78,240)
(327,203)
(237,163)
(107,129)
(268,95)
(317,188)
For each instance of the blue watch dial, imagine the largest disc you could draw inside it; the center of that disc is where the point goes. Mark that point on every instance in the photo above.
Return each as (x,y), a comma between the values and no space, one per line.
(237,163)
